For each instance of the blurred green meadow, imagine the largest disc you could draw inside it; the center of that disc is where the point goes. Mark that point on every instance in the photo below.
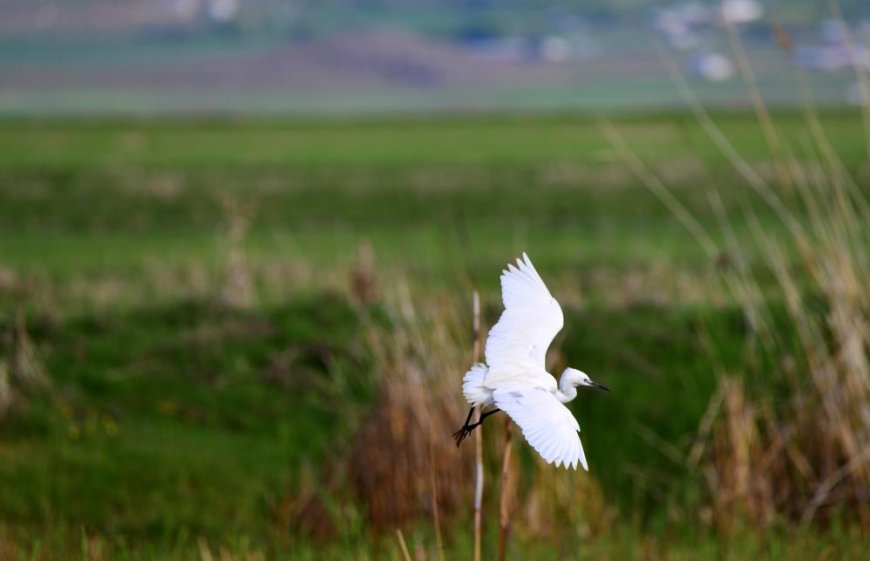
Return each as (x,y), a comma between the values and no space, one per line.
(196,302)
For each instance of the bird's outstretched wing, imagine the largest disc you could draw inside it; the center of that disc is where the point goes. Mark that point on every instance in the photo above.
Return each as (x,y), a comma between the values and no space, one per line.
(547,424)
(530,321)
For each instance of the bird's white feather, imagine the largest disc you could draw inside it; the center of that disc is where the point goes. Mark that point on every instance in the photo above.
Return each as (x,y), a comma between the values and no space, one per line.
(547,424)
(473,387)
(529,323)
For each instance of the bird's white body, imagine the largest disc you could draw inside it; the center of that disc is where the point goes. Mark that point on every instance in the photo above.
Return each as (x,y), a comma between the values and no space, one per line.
(515,379)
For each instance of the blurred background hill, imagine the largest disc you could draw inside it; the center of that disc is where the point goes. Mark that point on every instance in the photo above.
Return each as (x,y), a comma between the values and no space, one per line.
(351,56)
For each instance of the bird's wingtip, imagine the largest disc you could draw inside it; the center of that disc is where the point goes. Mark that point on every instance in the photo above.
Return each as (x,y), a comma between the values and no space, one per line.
(527,261)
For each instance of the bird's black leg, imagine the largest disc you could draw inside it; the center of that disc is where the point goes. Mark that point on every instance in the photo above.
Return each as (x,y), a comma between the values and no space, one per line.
(460,435)
(468,419)
(466,429)
(485,415)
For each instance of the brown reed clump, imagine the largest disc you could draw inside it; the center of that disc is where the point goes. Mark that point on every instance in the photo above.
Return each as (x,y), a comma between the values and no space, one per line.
(769,461)
(805,453)
(404,443)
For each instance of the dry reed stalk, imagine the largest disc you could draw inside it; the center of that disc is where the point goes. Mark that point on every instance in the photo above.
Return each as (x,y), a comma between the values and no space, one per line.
(204,550)
(92,548)
(436,521)
(795,456)
(478,437)
(761,113)
(238,289)
(810,450)
(6,395)
(364,280)
(655,185)
(506,493)
(715,134)
(26,369)
(25,374)
(403,547)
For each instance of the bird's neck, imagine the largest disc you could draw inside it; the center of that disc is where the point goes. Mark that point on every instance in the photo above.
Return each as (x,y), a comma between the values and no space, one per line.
(566,391)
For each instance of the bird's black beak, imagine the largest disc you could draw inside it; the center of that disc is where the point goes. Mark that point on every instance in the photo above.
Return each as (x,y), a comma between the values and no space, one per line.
(599,386)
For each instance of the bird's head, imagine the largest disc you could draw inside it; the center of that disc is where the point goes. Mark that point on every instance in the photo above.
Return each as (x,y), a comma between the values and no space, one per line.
(575,378)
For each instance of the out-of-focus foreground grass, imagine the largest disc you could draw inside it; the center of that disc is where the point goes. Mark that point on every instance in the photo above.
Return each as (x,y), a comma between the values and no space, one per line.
(194,317)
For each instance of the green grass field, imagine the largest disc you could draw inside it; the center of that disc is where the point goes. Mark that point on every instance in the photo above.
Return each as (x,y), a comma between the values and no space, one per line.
(172,420)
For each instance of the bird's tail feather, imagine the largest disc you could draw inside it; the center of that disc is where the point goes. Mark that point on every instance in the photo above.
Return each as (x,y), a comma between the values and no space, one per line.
(472,385)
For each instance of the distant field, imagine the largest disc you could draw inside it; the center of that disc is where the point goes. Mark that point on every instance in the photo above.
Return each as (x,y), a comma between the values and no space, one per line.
(173,417)
(117,194)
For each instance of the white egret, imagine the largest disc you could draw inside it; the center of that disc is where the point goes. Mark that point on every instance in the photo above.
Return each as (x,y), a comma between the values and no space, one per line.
(514,378)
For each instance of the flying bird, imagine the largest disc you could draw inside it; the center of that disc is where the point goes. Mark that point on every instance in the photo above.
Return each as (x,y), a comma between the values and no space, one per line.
(514,378)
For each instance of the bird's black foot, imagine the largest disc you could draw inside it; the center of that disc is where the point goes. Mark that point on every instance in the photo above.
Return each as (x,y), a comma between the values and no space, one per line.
(467,428)
(462,433)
